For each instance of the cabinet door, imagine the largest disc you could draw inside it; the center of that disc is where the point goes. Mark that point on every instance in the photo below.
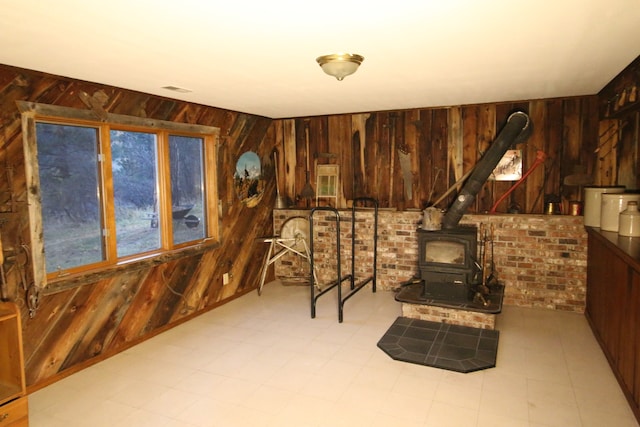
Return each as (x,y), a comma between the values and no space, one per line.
(597,272)
(629,331)
(614,299)
(15,413)
(634,303)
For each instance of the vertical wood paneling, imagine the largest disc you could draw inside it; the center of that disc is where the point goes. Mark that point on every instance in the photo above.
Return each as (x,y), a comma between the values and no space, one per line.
(342,143)
(431,177)
(628,152)
(409,148)
(455,143)
(445,143)
(438,137)
(533,192)
(606,152)
(553,147)
(289,157)
(486,133)
(571,145)
(359,149)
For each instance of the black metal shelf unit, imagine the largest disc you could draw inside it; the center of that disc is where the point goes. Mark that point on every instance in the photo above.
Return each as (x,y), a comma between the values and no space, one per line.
(355,284)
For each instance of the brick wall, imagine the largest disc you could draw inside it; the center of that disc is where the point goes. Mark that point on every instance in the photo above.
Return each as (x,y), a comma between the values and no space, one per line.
(541,259)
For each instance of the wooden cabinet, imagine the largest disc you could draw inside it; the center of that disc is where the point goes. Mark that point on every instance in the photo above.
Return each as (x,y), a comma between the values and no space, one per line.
(13,401)
(15,413)
(613,306)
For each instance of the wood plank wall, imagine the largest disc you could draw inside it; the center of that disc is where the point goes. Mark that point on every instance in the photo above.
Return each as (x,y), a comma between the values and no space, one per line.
(434,147)
(93,316)
(619,107)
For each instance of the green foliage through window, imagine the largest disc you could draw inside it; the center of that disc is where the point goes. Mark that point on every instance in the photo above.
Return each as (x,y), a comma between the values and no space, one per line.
(105,196)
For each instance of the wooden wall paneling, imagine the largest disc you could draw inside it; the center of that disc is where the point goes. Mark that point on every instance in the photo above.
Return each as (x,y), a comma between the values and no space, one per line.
(323,143)
(205,280)
(606,153)
(485,134)
(136,104)
(359,145)
(106,307)
(290,160)
(518,197)
(627,159)
(590,124)
(341,142)
(36,236)
(175,279)
(57,346)
(431,177)
(394,130)
(226,191)
(302,127)
(620,96)
(276,138)
(373,185)
(398,189)
(382,164)
(534,185)
(315,142)
(104,315)
(409,164)
(135,323)
(554,132)
(455,143)
(471,153)
(498,188)
(636,143)
(45,323)
(570,161)
(438,139)
(51,91)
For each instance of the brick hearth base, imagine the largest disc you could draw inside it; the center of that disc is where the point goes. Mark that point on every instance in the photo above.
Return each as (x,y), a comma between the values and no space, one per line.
(453,316)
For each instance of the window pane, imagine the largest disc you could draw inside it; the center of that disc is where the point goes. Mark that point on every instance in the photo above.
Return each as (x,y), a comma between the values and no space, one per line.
(186,156)
(71,214)
(134,167)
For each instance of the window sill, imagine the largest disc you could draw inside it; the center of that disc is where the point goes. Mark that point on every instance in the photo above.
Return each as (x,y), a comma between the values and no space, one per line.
(70,281)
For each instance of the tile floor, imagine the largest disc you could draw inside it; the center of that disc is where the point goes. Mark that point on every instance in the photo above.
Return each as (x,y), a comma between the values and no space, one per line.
(262,361)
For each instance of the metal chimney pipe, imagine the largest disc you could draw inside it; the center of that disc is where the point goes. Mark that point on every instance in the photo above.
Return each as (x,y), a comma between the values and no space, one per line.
(516,130)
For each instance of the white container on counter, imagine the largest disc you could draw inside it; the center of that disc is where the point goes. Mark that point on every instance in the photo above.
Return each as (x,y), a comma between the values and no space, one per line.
(612,205)
(593,203)
(629,221)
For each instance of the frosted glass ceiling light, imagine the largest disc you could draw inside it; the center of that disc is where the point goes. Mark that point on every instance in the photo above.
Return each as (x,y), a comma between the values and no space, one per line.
(340,65)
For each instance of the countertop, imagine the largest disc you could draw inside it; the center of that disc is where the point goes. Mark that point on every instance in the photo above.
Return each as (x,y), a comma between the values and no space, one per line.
(627,247)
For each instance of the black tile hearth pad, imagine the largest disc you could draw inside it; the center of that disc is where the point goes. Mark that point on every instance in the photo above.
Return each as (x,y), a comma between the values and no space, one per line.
(441,345)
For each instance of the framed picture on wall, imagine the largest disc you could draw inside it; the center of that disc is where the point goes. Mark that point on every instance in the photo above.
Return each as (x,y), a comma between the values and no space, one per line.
(509,168)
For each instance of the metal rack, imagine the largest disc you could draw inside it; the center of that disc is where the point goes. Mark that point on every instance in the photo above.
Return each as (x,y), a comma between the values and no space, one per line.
(355,285)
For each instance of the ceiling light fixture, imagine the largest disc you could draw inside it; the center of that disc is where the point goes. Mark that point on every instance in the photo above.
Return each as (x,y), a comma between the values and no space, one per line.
(177,89)
(340,65)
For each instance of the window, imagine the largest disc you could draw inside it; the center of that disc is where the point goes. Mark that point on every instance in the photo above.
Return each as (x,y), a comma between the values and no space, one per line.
(116,191)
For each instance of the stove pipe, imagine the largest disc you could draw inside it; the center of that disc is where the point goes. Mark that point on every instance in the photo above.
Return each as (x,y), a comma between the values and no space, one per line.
(516,130)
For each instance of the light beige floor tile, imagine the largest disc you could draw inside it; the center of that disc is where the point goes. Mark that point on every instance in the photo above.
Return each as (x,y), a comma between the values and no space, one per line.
(447,415)
(554,414)
(262,361)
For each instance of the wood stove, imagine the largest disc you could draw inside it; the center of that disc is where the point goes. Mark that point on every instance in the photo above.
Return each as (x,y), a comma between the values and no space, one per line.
(448,263)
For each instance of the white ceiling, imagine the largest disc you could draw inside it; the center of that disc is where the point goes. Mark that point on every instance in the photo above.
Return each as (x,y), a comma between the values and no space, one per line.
(258,56)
